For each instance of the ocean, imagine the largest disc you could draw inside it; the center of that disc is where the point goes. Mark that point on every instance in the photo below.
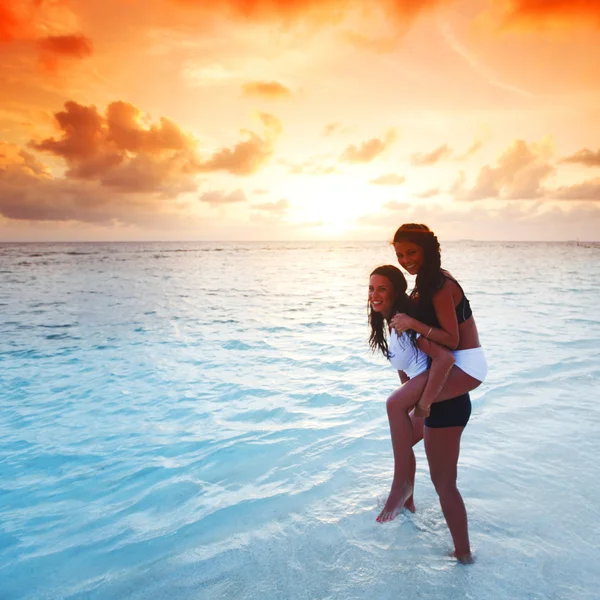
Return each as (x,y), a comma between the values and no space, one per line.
(205,420)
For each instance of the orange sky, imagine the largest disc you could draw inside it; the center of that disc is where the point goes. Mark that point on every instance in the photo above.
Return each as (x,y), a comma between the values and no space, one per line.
(299,119)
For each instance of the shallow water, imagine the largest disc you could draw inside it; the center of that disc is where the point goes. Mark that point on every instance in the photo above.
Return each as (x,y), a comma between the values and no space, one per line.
(204,420)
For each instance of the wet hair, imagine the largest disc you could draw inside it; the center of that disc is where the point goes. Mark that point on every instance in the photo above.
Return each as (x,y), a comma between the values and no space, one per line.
(402,304)
(430,277)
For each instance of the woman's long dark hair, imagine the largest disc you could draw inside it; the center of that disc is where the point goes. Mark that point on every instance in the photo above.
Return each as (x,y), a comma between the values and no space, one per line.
(402,304)
(430,277)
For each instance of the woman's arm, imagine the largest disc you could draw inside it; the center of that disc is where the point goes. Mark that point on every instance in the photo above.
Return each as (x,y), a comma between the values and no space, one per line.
(447,333)
(441,364)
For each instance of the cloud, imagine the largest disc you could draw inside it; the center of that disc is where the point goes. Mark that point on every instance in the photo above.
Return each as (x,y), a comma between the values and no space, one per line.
(430,158)
(218,198)
(368,150)
(395,205)
(388,179)
(41,24)
(427,193)
(53,48)
(517,175)
(555,13)
(120,165)
(472,150)
(278,208)
(270,90)
(248,156)
(586,157)
(122,151)
(318,11)
(28,191)
(18,161)
(587,191)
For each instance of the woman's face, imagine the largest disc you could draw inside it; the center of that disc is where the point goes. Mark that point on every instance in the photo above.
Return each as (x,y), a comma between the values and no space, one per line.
(381,295)
(410,256)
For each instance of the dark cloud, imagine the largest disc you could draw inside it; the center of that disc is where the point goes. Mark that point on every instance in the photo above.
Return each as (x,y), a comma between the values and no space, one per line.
(77,46)
(23,21)
(29,192)
(119,166)
(119,150)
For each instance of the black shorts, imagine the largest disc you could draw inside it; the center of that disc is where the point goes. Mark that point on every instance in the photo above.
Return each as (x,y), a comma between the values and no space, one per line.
(450,413)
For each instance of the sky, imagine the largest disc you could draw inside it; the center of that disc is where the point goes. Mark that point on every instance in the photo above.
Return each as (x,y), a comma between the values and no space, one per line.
(299,119)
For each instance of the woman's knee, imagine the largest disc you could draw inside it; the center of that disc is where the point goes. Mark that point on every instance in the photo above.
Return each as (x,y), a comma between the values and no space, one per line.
(401,400)
(444,485)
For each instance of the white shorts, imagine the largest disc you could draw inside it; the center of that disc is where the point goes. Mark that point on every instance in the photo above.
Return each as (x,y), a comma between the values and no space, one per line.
(472,362)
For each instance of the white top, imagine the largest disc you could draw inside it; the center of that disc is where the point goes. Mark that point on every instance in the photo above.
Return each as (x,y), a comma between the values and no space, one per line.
(404,356)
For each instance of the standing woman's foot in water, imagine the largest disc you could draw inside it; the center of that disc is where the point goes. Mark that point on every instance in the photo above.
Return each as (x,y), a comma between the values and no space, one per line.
(398,498)
(466,558)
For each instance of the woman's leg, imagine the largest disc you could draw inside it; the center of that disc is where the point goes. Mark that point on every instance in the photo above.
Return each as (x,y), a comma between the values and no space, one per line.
(398,406)
(417,428)
(406,431)
(442,446)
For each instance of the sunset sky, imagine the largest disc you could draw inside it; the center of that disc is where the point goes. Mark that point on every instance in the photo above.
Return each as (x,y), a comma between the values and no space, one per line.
(299,119)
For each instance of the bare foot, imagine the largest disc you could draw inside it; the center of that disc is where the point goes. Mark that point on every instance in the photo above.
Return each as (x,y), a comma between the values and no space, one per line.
(396,500)
(465,558)
(410,504)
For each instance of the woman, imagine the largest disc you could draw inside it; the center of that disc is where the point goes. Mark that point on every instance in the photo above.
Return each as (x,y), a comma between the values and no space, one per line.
(442,314)
(409,353)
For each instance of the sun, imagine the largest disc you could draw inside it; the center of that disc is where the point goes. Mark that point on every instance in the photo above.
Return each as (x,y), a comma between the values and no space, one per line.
(335,202)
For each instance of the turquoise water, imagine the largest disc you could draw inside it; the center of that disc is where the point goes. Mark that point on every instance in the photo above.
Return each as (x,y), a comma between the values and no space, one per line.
(203,420)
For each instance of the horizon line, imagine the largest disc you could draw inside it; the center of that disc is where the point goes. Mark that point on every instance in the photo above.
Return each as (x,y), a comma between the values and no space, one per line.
(230,241)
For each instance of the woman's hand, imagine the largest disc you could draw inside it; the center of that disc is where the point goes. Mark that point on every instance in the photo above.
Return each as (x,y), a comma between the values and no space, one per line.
(401,322)
(422,411)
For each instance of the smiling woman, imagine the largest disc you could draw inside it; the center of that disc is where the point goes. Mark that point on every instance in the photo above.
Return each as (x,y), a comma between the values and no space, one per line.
(424,367)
